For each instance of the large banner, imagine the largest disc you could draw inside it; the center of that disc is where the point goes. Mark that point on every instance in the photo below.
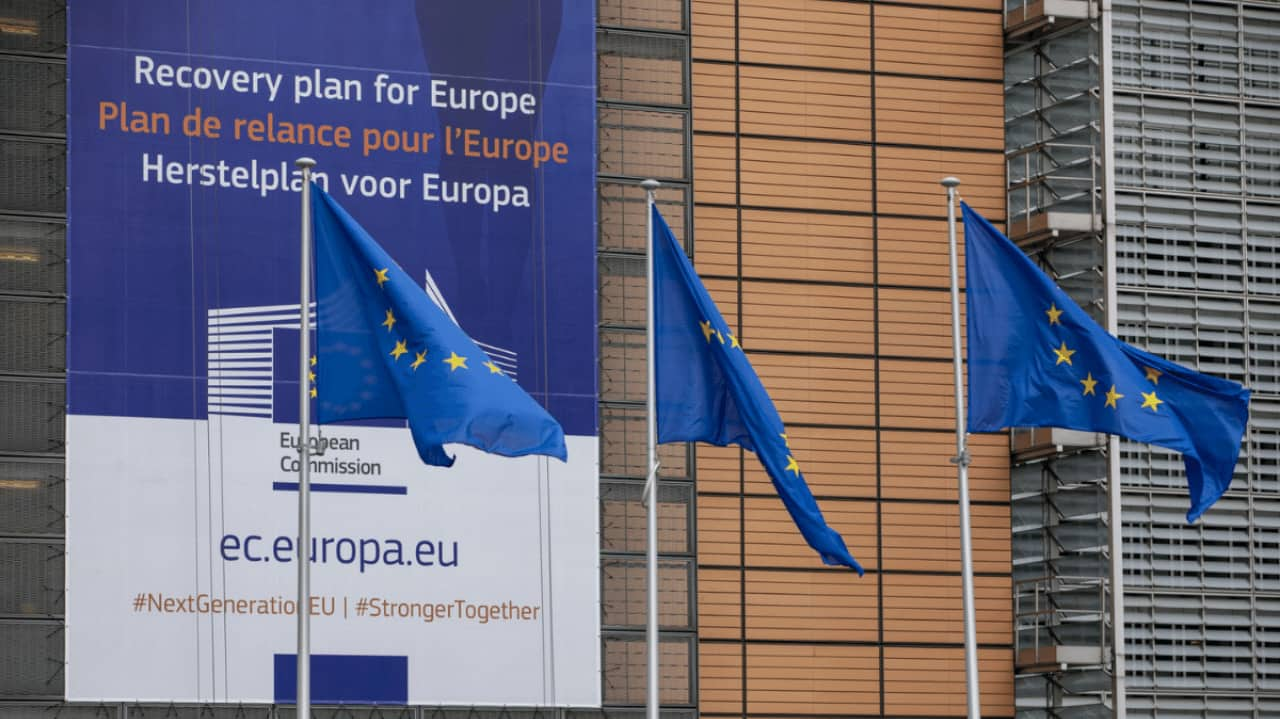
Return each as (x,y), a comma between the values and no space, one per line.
(461,135)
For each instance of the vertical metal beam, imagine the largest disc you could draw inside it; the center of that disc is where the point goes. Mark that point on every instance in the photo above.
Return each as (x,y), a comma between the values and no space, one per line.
(1115,507)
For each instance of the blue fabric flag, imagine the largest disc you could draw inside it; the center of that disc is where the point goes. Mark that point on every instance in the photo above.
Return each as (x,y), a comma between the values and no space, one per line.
(1036,359)
(708,392)
(385,350)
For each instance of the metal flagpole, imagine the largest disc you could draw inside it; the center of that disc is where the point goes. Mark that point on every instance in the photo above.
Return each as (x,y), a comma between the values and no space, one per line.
(304,452)
(650,495)
(962,467)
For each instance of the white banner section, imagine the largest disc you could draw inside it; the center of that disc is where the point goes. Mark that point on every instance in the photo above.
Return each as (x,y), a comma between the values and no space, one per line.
(473,585)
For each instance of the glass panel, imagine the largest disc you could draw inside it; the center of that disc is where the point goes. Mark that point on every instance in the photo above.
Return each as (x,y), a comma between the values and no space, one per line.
(623,446)
(623,517)
(643,143)
(33,256)
(31,497)
(642,69)
(32,95)
(35,336)
(33,573)
(33,176)
(648,14)
(623,220)
(31,415)
(31,663)
(625,669)
(33,25)
(622,291)
(623,593)
(623,368)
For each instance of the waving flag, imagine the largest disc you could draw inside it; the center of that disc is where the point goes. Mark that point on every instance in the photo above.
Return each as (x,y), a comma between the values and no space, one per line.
(385,350)
(708,392)
(1037,360)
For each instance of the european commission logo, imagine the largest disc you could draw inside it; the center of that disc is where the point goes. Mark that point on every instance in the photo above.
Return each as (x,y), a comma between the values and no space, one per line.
(253,372)
(253,358)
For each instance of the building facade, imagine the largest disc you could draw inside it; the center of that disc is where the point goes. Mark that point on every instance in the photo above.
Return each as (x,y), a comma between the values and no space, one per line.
(800,144)
(1142,176)
(1197,175)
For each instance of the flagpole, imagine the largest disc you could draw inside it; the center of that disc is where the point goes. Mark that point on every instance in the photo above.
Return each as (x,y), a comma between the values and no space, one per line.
(650,495)
(962,467)
(304,451)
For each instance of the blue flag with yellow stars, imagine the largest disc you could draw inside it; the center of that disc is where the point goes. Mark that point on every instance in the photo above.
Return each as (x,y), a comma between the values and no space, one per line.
(708,392)
(1036,359)
(385,350)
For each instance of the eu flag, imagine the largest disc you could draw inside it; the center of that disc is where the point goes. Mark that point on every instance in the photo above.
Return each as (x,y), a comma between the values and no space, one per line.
(385,350)
(708,392)
(1036,359)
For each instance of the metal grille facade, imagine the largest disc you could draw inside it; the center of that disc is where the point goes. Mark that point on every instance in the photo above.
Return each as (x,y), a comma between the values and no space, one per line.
(1197,129)
(32,353)
(1062,558)
(644,129)
(1196,133)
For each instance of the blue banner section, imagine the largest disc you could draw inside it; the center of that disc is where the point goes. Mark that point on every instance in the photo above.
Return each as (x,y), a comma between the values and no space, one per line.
(461,134)
(345,679)
(284,377)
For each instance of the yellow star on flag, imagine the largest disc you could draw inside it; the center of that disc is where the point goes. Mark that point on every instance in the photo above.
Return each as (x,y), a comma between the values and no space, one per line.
(1064,354)
(1054,313)
(706,330)
(454,362)
(419,358)
(1151,400)
(1153,374)
(719,336)
(311,376)
(313,391)
(493,368)
(785,440)
(733,342)
(313,360)
(390,320)
(400,348)
(381,275)
(1088,383)
(1112,396)
(792,465)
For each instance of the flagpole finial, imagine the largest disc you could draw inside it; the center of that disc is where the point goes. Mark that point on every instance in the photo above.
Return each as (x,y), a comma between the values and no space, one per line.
(303,163)
(650,185)
(949,182)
